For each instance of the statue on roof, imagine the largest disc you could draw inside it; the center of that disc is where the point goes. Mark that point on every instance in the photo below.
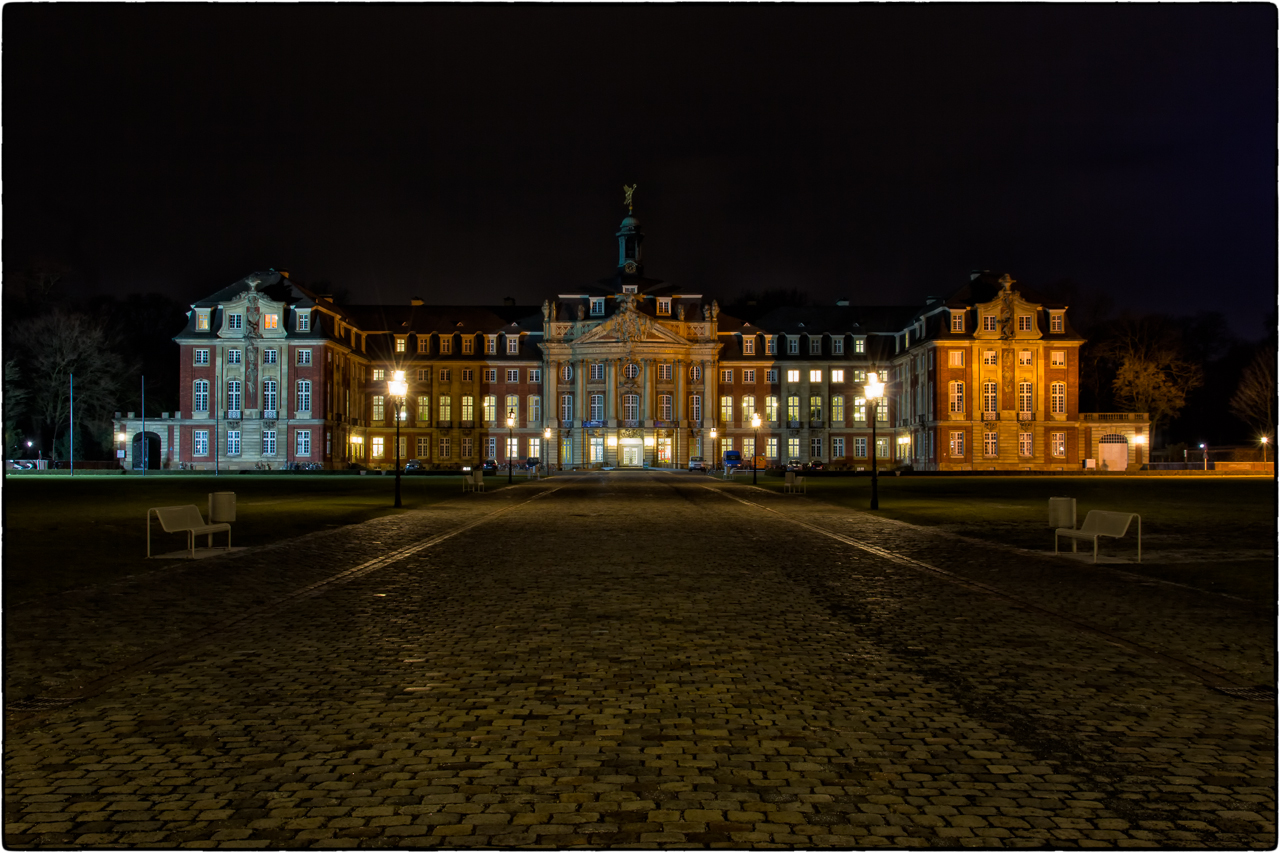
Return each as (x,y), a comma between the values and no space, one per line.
(629,190)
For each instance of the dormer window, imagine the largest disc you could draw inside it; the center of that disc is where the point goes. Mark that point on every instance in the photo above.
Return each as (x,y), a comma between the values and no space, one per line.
(748,345)
(597,306)
(988,322)
(957,322)
(491,344)
(202,321)
(859,345)
(837,346)
(1055,322)
(446,344)
(664,305)
(1024,322)
(815,345)
(270,321)
(235,322)
(401,343)
(793,345)
(468,345)
(513,344)
(630,288)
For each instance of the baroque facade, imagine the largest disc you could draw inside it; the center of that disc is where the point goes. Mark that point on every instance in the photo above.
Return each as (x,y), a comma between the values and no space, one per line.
(629,372)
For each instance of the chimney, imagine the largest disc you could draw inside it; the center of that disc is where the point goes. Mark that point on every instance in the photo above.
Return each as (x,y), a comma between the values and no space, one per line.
(415,301)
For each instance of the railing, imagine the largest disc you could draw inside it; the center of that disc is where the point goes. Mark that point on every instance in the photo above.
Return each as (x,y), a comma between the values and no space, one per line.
(793,424)
(444,424)
(631,423)
(233,414)
(1140,417)
(559,330)
(1026,416)
(467,424)
(566,424)
(270,414)
(991,416)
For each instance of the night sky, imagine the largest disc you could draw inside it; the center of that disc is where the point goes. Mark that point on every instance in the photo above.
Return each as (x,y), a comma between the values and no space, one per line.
(464,153)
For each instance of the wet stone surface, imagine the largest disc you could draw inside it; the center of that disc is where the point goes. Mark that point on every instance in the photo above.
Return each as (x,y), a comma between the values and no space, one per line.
(639,660)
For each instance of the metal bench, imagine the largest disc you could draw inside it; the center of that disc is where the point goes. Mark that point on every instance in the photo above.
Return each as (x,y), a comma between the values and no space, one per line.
(1101,523)
(793,483)
(473,481)
(185,519)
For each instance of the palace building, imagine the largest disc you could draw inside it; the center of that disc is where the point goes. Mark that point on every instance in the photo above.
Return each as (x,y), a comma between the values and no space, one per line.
(628,372)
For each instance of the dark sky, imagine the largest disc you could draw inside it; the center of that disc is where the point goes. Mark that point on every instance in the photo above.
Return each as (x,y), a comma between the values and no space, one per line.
(463,153)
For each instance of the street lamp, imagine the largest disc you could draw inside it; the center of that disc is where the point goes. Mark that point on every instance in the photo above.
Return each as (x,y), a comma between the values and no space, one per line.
(511,427)
(874,391)
(397,388)
(1204,454)
(1139,440)
(714,458)
(546,447)
(755,448)
(1264,448)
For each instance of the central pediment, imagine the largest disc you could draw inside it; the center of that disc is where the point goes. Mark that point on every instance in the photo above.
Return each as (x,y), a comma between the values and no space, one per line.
(630,326)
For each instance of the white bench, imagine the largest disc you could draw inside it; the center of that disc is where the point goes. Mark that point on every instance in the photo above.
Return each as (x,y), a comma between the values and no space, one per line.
(793,483)
(473,481)
(1101,523)
(185,519)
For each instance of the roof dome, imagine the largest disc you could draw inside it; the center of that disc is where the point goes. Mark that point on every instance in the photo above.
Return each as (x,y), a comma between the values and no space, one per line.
(630,222)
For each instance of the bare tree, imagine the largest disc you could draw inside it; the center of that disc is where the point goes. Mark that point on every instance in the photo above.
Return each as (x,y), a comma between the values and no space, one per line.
(53,347)
(1255,399)
(15,405)
(1152,375)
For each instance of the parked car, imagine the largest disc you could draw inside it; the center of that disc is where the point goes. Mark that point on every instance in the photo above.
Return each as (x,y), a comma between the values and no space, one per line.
(794,465)
(815,465)
(415,466)
(732,459)
(489,466)
(532,462)
(697,463)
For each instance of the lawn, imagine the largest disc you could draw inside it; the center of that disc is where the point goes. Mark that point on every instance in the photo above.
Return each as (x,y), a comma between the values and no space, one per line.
(59,521)
(1213,533)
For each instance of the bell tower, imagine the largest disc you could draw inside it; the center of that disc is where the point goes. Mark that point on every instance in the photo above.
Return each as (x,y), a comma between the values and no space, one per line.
(629,239)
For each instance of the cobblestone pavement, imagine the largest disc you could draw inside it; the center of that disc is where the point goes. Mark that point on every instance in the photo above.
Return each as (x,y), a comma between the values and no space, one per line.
(643,660)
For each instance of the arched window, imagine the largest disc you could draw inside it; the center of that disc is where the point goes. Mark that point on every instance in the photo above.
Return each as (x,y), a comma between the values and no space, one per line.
(269,395)
(631,407)
(1058,397)
(1024,396)
(956,393)
(233,395)
(304,395)
(200,395)
(988,396)
(512,407)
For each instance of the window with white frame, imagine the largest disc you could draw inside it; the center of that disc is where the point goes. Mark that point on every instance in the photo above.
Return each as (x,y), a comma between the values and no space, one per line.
(444,374)
(423,447)
(664,372)
(401,343)
(513,448)
(793,376)
(664,407)
(793,448)
(202,321)
(595,449)
(815,408)
(1055,323)
(726,409)
(566,372)
(1024,322)
(304,357)
(957,322)
(957,444)
(303,321)
(748,345)
(771,375)
(988,396)
(630,288)
(233,442)
(815,375)
(1024,396)
(491,375)
(535,375)
(443,447)
(837,375)
(379,408)
(233,356)
(695,372)
(534,408)
(860,447)
(837,345)
(748,447)
(631,407)
(1058,443)
(200,395)
(859,411)
(859,377)
(748,408)
(268,356)
(1057,358)
(379,374)
(235,322)
(771,447)
(513,374)
(882,411)
(632,370)
(511,405)
(771,408)
(468,345)
(595,371)
(535,448)
(424,374)
(446,344)
(489,408)
(726,376)
(837,447)
(664,305)
(955,358)
(1024,357)
(793,345)
(815,448)
(990,444)
(989,357)
(597,306)
(695,408)
(491,344)
(513,345)
(304,395)
(268,442)
(1058,397)
(771,344)
(988,322)
(379,447)
(815,345)
(424,409)
(446,410)
(200,442)
(748,377)
(859,345)
(424,345)
(201,356)
(269,395)
(793,407)
(491,447)
(1024,444)
(955,392)
(837,411)
(467,447)
(566,407)
(233,395)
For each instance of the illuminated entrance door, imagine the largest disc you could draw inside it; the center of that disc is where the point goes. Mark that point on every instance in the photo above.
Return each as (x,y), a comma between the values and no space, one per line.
(1114,452)
(632,453)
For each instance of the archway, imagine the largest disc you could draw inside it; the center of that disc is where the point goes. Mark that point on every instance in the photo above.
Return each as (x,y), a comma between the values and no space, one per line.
(152,451)
(1113,452)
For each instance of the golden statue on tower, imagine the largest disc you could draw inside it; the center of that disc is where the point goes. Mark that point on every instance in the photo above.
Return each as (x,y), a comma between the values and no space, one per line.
(629,190)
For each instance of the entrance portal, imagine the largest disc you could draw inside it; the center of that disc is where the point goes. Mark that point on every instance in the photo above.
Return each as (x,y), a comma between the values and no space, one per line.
(1113,451)
(631,452)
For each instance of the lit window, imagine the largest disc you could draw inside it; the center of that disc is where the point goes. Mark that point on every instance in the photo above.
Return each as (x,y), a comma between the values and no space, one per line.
(793,448)
(535,410)
(815,375)
(793,376)
(379,374)
(726,409)
(512,406)
(837,375)
(837,412)
(379,408)
(270,321)
(379,447)
(815,408)
(490,408)
(400,344)
(1057,358)
(202,322)
(424,409)
(793,408)
(771,408)
(860,345)
(748,407)
(446,410)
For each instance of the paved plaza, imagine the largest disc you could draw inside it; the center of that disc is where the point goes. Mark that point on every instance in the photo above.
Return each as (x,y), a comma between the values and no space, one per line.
(638,660)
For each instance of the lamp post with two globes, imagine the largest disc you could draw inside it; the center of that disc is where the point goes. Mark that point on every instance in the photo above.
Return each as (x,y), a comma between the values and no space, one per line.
(397,388)
(874,391)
